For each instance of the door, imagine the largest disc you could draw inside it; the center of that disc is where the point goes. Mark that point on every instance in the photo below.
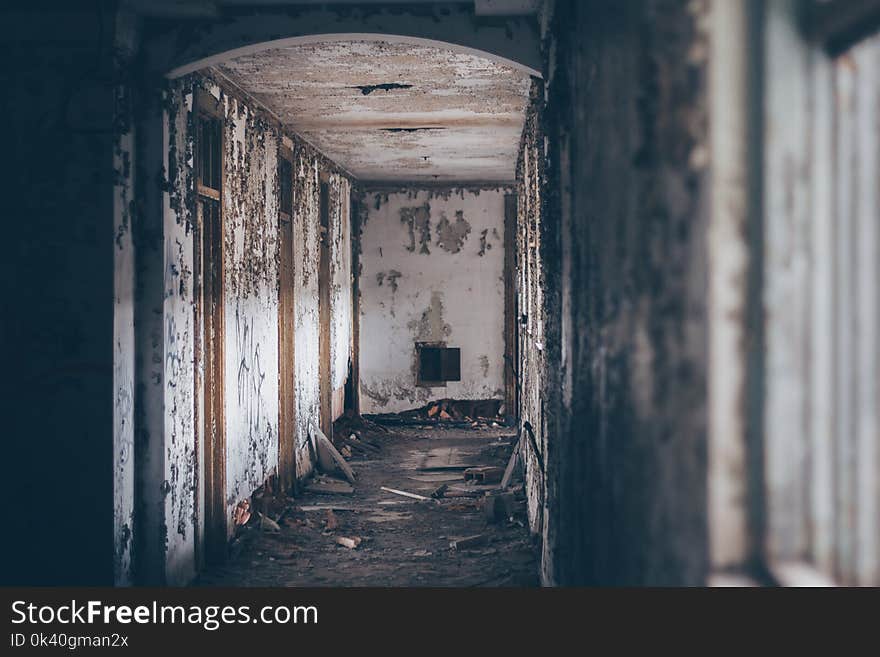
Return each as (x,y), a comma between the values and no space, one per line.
(209,323)
(286,328)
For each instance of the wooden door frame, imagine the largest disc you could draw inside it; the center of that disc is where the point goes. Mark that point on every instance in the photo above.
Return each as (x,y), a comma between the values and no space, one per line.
(209,361)
(286,339)
(324,285)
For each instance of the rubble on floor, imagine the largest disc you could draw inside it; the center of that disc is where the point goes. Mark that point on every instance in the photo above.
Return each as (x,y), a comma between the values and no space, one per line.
(450,412)
(428,509)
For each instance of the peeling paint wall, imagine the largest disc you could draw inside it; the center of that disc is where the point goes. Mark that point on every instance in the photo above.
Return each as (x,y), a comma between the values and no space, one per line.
(530,252)
(250,225)
(177,475)
(432,270)
(449,116)
(308,168)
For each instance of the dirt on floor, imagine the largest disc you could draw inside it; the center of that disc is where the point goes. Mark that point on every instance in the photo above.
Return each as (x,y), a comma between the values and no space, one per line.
(399,541)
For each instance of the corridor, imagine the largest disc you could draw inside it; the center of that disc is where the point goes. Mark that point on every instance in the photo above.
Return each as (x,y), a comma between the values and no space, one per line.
(634,243)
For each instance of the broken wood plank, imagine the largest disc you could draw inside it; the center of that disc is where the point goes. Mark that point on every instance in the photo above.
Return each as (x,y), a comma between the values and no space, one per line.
(511,465)
(324,507)
(468,542)
(455,491)
(444,468)
(330,488)
(404,493)
(436,478)
(353,442)
(328,456)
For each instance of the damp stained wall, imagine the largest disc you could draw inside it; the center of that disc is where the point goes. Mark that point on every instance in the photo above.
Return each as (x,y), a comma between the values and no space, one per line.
(175,466)
(627,192)
(341,346)
(463,109)
(309,168)
(432,265)
(306,256)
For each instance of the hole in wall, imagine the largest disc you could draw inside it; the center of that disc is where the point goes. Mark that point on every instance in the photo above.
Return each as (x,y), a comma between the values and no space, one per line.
(438,363)
(367,89)
(420,129)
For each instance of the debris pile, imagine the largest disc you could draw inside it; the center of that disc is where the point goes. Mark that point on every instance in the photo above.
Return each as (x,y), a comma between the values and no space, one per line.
(450,412)
(352,423)
(404,505)
(467,485)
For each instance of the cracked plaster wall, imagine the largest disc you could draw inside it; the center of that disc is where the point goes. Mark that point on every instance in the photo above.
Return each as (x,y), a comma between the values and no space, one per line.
(432,270)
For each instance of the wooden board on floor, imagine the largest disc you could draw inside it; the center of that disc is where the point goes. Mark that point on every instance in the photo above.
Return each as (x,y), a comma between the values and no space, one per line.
(434,478)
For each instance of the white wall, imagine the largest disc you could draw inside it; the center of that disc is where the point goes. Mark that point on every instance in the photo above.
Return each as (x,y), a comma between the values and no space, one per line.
(340,282)
(250,223)
(425,277)
(176,466)
(306,255)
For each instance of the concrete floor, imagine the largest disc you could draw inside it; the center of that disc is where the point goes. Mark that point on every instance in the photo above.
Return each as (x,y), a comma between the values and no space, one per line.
(405,542)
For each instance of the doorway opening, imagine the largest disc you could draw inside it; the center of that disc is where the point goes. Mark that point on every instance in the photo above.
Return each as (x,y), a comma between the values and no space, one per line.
(209,323)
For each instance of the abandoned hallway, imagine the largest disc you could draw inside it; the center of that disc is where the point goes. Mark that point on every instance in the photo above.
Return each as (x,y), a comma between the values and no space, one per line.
(629,248)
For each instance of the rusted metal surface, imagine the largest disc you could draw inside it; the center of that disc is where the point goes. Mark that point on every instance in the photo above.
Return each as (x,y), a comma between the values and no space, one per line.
(183,420)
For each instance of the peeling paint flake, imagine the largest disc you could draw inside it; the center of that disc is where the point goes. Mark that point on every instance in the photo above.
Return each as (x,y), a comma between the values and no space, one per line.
(451,236)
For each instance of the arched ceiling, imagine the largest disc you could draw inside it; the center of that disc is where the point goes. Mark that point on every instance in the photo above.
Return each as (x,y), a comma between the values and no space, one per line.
(394,111)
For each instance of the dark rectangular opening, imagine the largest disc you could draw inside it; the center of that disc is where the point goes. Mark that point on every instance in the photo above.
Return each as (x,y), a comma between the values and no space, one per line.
(209,167)
(285,188)
(210,329)
(438,364)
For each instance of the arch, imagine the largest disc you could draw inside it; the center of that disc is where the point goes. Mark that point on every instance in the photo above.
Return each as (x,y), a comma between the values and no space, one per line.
(514,40)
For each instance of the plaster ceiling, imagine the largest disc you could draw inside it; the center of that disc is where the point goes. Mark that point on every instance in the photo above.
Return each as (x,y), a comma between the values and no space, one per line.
(394,112)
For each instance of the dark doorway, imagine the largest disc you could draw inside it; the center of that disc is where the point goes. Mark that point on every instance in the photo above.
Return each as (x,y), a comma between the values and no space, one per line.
(286,327)
(209,322)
